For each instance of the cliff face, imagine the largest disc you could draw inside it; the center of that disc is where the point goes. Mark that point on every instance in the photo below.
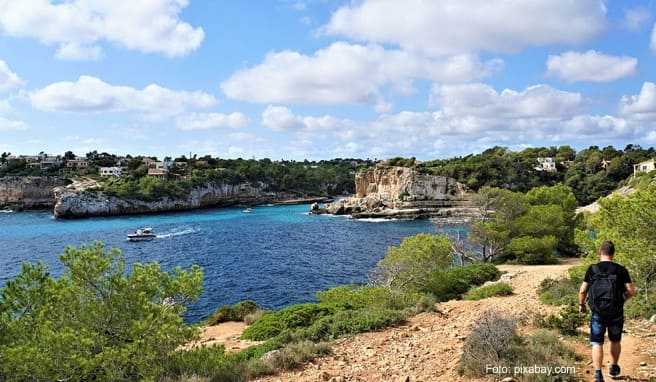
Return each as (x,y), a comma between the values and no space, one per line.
(29,191)
(70,203)
(402,192)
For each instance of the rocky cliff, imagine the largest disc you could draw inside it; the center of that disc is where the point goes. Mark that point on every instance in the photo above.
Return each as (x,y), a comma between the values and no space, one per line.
(402,192)
(73,203)
(25,192)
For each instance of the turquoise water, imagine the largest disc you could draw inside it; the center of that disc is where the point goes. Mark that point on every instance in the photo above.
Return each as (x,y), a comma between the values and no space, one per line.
(275,255)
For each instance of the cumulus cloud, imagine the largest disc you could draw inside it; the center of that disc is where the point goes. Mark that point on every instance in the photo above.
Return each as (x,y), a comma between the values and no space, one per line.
(346,73)
(77,27)
(590,66)
(642,105)
(8,79)
(11,125)
(456,26)
(280,118)
(207,121)
(90,94)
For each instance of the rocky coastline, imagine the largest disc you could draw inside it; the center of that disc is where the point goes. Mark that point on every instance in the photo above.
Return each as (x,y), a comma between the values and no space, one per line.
(71,203)
(391,192)
(29,192)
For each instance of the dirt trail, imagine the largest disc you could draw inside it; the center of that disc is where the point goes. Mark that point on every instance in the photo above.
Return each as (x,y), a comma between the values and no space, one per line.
(429,346)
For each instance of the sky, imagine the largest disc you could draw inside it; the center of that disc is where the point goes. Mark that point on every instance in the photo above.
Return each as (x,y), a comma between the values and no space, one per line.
(320,79)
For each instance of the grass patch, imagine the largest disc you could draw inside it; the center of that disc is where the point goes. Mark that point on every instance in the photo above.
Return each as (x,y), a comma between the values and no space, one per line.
(496,289)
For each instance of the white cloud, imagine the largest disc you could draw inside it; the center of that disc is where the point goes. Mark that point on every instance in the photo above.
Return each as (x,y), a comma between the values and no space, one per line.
(280,118)
(456,26)
(642,105)
(635,18)
(12,125)
(8,79)
(590,66)
(79,26)
(207,121)
(346,73)
(481,100)
(90,94)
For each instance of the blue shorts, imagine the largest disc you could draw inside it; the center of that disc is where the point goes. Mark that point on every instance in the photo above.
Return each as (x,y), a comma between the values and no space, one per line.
(598,326)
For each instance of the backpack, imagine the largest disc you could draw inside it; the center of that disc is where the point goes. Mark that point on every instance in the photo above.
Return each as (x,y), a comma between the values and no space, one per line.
(603,294)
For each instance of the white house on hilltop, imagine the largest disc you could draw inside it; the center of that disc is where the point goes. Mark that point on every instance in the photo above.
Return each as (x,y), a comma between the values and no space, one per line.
(546,164)
(646,166)
(111,171)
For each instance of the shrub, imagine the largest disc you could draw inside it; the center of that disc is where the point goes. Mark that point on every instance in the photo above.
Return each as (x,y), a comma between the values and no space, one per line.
(206,361)
(236,312)
(296,316)
(452,283)
(496,289)
(533,250)
(352,322)
(408,265)
(494,341)
(425,304)
(252,317)
(295,354)
(567,321)
(558,291)
(358,297)
(97,321)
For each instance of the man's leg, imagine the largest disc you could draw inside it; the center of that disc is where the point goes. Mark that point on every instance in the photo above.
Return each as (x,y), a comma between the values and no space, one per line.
(597,355)
(615,350)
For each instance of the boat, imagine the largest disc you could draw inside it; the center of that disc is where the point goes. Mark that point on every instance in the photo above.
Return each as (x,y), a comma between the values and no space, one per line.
(247,211)
(6,211)
(142,234)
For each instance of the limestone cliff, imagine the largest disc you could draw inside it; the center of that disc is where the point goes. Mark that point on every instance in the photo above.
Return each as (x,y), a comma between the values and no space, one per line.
(72,203)
(27,192)
(403,192)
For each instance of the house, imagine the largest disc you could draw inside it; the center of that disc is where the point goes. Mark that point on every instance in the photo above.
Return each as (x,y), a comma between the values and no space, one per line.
(160,169)
(157,173)
(646,166)
(50,161)
(111,171)
(546,164)
(78,162)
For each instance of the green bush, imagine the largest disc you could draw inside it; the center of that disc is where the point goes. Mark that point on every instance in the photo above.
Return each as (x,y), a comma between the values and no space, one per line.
(566,322)
(236,312)
(558,291)
(206,361)
(452,283)
(496,289)
(97,321)
(533,250)
(358,297)
(352,322)
(296,316)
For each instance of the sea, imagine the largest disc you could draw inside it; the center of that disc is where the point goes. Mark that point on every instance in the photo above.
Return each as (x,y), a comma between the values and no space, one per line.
(274,255)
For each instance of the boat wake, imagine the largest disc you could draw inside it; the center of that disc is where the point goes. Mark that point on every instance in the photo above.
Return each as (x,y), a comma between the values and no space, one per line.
(177,233)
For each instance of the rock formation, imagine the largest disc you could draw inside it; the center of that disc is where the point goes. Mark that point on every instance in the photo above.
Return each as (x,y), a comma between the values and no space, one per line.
(76,203)
(402,192)
(29,192)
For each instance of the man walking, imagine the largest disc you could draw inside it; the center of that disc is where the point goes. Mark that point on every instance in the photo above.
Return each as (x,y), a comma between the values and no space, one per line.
(607,285)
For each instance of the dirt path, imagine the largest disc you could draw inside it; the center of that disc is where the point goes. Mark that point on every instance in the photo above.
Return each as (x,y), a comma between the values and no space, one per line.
(429,346)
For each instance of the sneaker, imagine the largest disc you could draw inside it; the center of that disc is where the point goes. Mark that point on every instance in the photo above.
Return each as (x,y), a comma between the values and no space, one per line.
(614,370)
(598,376)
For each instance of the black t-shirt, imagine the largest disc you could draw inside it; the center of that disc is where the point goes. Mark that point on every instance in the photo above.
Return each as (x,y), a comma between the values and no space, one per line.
(611,268)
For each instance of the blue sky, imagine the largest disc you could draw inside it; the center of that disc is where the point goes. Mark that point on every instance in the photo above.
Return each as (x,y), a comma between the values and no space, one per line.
(324,78)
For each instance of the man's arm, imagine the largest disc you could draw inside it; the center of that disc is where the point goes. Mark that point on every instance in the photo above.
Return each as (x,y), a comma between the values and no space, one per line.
(630,291)
(583,292)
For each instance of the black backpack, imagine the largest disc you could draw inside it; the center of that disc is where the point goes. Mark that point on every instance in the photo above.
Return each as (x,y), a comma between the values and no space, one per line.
(603,294)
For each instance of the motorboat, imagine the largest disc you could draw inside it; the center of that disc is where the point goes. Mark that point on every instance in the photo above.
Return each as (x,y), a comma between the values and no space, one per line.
(248,210)
(142,234)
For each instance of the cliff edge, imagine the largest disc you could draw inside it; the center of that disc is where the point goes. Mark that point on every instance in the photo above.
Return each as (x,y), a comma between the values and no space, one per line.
(401,192)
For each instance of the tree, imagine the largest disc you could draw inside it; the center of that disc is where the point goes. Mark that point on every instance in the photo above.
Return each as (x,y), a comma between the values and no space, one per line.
(95,322)
(408,265)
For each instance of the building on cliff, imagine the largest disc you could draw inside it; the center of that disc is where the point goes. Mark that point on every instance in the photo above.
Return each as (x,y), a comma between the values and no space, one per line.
(111,171)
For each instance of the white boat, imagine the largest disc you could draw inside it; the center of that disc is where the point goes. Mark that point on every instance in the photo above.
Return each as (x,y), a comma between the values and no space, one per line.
(247,211)
(142,234)
(6,211)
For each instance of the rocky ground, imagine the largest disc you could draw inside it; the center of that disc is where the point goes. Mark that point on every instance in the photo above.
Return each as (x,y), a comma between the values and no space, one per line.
(429,346)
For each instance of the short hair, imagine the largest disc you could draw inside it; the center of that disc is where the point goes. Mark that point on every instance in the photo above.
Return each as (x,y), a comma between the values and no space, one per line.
(607,248)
